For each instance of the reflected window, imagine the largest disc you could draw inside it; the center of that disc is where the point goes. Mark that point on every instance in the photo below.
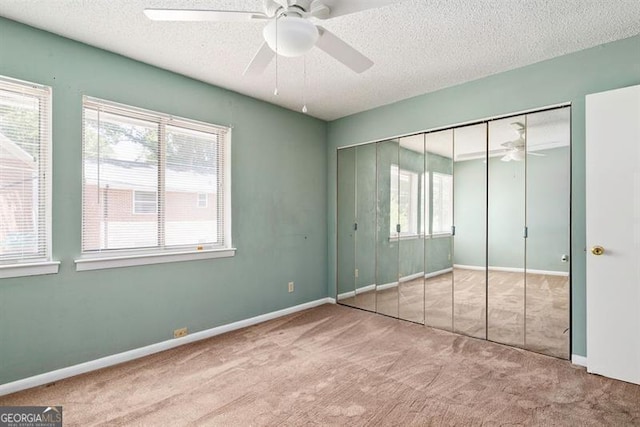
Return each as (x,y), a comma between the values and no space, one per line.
(424,204)
(442,203)
(403,202)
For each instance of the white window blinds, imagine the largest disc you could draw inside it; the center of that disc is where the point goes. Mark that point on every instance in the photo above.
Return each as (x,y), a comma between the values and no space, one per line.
(25,172)
(145,176)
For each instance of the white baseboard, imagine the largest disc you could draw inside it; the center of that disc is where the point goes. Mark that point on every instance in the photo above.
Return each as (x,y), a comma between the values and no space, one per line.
(512,270)
(579,360)
(402,280)
(361,290)
(92,365)
(438,273)
(369,288)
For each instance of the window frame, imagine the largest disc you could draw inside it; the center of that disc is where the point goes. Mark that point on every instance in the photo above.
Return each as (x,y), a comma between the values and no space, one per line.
(113,258)
(32,266)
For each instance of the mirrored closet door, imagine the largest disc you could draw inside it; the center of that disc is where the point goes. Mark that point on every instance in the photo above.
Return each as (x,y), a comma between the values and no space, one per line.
(438,225)
(547,303)
(470,233)
(464,229)
(387,228)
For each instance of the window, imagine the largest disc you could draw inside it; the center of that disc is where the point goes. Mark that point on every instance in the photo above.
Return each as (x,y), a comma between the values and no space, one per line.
(25,176)
(203,200)
(403,202)
(145,202)
(142,171)
(424,204)
(442,203)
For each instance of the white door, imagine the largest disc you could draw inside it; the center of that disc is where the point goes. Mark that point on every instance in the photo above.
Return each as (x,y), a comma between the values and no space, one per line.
(613,223)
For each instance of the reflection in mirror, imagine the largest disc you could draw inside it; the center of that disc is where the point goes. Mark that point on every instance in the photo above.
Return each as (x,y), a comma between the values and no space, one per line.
(387,227)
(438,222)
(408,196)
(365,242)
(346,226)
(506,230)
(548,195)
(469,240)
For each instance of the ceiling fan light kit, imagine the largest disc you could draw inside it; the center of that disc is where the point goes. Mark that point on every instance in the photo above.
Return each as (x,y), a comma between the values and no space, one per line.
(291,36)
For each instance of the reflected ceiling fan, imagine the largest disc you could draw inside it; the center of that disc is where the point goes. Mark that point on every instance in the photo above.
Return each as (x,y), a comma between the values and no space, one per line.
(516,149)
(289,30)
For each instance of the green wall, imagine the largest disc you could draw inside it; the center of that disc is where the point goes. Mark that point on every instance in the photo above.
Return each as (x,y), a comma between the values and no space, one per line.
(565,79)
(547,204)
(279,200)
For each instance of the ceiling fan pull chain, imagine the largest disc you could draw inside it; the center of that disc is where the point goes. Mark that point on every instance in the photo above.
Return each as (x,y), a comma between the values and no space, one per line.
(275,92)
(304,85)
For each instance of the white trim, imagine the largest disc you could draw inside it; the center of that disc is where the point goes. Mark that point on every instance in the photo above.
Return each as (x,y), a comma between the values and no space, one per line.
(392,284)
(227,189)
(137,353)
(372,287)
(29,269)
(361,290)
(438,273)
(48,210)
(100,263)
(579,360)
(512,270)
(387,286)
(402,280)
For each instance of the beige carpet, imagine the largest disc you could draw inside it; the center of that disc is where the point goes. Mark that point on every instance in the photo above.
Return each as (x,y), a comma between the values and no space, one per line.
(456,301)
(335,365)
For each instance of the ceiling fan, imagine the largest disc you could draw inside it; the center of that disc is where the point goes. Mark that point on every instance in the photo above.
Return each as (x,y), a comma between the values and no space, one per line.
(289,30)
(516,149)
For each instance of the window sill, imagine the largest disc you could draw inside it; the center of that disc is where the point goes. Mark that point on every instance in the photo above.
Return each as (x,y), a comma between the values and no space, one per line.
(29,269)
(405,237)
(439,235)
(129,260)
(418,236)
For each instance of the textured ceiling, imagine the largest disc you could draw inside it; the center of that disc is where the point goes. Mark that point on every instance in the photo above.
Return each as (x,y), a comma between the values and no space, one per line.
(418,46)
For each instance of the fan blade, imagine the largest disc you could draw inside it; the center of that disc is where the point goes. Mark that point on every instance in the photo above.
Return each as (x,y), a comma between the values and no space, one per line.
(506,158)
(202,15)
(343,52)
(260,61)
(345,7)
(536,154)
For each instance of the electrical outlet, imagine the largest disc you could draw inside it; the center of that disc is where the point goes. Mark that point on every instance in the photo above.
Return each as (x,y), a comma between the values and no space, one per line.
(179,333)
(291,286)
(357,273)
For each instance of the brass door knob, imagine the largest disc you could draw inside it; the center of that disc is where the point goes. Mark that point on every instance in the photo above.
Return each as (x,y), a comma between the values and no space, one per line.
(597,250)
